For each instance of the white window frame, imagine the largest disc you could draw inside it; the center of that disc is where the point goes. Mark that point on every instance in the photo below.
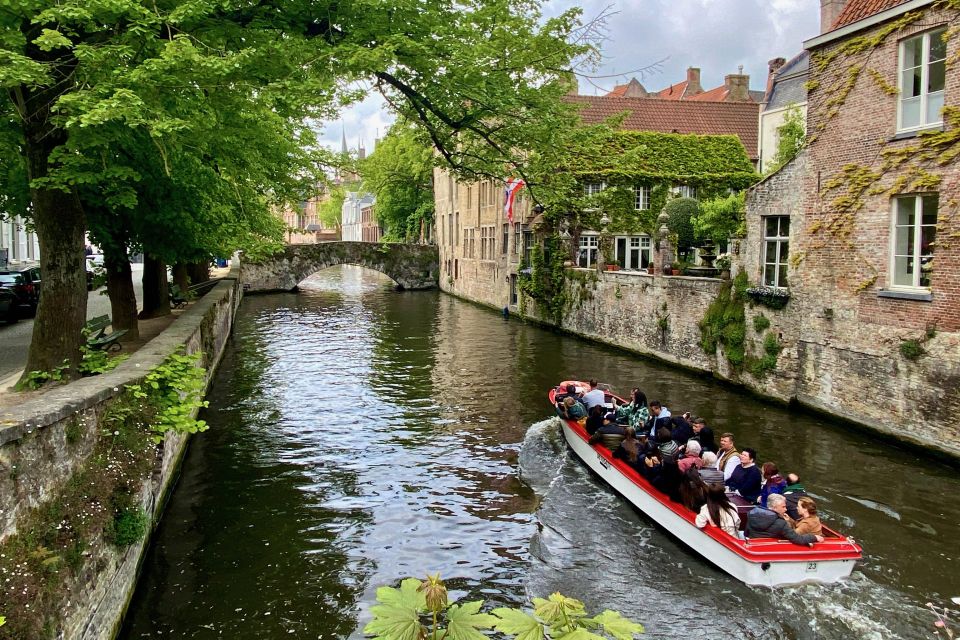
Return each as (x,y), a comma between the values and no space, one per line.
(593,188)
(924,79)
(780,259)
(918,225)
(640,244)
(592,249)
(641,197)
(684,191)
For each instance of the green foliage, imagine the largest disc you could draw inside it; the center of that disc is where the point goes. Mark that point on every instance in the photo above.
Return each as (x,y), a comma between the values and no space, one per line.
(791,136)
(175,389)
(682,212)
(419,610)
(33,380)
(129,526)
(761,323)
(721,218)
(330,211)
(724,322)
(911,349)
(400,174)
(546,283)
(97,361)
(767,362)
(73,431)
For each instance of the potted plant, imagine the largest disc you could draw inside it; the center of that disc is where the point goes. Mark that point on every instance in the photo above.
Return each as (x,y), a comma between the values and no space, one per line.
(675,269)
(652,270)
(723,264)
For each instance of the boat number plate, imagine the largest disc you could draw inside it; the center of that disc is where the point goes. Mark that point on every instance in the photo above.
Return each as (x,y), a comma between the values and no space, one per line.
(811,566)
(605,464)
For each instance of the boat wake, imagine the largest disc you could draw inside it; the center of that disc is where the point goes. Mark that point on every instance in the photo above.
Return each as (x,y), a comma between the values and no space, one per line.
(592,545)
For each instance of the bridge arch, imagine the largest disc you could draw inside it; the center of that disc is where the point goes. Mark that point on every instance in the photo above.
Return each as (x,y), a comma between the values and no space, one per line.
(411,266)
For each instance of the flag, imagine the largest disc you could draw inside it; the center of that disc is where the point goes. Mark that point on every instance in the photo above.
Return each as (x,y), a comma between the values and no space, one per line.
(510,194)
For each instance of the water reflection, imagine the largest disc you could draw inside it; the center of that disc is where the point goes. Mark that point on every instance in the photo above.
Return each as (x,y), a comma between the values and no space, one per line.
(359,435)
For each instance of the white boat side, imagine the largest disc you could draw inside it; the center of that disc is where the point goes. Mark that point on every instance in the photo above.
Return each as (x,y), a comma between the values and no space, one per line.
(770,563)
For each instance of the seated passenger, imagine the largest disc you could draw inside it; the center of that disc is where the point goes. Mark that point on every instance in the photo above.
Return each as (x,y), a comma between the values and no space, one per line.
(746,478)
(651,467)
(593,397)
(793,492)
(693,492)
(719,512)
(610,435)
(669,479)
(630,450)
(709,472)
(595,419)
(773,482)
(659,417)
(665,444)
(691,456)
(809,522)
(703,434)
(680,430)
(572,410)
(728,458)
(569,392)
(635,413)
(772,523)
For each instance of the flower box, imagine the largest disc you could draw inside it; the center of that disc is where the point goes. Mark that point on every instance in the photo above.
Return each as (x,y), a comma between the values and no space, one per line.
(769,296)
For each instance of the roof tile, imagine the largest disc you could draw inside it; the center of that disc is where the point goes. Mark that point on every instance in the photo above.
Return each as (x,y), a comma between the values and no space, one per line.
(856,10)
(676,116)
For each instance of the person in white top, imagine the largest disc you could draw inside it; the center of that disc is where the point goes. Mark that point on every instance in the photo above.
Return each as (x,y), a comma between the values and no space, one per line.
(728,458)
(719,512)
(593,397)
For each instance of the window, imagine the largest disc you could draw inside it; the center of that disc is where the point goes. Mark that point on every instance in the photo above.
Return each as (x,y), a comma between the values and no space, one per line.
(641,197)
(513,289)
(487,243)
(684,191)
(633,252)
(587,257)
(483,243)
(592,188)
(922,72)
(914,230)
(456,229)
(516,238)
(506,238)
(776,250)
(527,245)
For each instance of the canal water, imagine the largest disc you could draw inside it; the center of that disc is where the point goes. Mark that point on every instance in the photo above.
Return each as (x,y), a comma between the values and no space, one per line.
(360,435)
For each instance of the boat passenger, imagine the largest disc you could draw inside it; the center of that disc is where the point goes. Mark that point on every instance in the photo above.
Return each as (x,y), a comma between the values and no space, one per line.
(719,512)
(659,417)
(610,435)
(772,523)
(652,466)
(773,482)
(630,450)
(572,409)
(703,434)
(728,458)
(709,472)
(595,419)
(693,492)
(793,492)
(635,413)
(669,479)
(680,430)
(746,479)
(570,391)
(691,456)
(665,444)
(593,397)
(809,522)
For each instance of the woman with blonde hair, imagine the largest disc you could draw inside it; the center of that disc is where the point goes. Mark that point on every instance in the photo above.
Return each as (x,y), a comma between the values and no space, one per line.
(809,522)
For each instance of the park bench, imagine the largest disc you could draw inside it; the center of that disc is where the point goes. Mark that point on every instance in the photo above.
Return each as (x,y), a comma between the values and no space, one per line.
(177,297)
(97,337)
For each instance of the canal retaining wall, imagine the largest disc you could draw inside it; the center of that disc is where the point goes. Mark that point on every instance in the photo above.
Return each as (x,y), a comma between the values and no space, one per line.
(835,364)
(46,441)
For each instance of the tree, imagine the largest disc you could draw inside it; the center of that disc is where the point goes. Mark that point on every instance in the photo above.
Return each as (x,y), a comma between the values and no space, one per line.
(400,174)
(791,136)
(330,211)
(681,212)
(482,81)
(721,218)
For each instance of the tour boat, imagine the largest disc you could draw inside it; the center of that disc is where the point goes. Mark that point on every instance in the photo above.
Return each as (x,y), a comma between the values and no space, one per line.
(764,562)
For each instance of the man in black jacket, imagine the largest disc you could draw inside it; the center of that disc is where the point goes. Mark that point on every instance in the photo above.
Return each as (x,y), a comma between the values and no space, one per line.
(772,523)
(703,434)
(793,492)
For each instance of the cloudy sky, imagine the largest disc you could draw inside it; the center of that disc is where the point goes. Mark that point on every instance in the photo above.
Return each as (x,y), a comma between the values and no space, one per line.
(715,35)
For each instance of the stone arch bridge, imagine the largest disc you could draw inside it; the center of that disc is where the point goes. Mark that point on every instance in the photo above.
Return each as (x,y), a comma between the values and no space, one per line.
(411,266)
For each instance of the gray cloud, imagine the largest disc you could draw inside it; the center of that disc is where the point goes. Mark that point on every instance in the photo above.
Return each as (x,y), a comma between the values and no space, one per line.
(715,35)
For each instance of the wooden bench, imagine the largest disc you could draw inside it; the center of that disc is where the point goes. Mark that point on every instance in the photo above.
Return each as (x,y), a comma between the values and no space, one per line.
(97,337)
(177,298)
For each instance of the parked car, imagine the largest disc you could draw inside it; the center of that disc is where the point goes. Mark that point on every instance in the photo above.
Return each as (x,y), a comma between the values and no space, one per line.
(9,307)
(25,283)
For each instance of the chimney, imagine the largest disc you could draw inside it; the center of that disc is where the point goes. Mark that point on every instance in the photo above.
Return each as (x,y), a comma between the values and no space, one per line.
(738,86)
(773,65)
(829,11)
(693,82)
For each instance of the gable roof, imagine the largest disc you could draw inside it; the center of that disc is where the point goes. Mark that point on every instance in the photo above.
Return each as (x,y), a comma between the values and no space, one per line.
(673,92)
(676,116)
(856,10)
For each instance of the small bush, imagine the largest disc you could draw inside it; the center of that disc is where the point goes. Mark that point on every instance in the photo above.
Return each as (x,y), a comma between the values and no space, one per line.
(761,323)
(129,526)
(911,349)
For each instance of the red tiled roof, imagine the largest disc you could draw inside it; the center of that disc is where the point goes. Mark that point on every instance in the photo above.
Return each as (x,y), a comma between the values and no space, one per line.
(618,91)
(676,116)
(673,92)
(856,10)
(718,94)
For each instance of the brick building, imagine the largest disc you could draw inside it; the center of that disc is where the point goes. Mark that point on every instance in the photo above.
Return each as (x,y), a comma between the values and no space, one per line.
(862,227)
(303,222)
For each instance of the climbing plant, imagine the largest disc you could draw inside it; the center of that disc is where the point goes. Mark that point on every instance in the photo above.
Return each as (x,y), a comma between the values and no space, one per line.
(545,283)
(790,138)
(724,323)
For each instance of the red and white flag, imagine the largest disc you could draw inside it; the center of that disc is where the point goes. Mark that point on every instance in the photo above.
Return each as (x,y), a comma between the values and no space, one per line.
(510,194)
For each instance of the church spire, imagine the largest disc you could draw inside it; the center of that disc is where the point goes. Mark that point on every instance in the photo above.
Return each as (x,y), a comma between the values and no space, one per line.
(343,141)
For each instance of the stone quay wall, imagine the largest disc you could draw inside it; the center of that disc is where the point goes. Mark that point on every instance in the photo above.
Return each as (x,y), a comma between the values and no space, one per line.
(41,448)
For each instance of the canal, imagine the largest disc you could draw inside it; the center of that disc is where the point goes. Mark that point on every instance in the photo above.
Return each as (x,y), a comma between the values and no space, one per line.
(359,435)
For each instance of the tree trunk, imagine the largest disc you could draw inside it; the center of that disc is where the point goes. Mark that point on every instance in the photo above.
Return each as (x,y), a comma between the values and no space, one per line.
(199,272)
(123,299)
(181,276)
(156,293)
